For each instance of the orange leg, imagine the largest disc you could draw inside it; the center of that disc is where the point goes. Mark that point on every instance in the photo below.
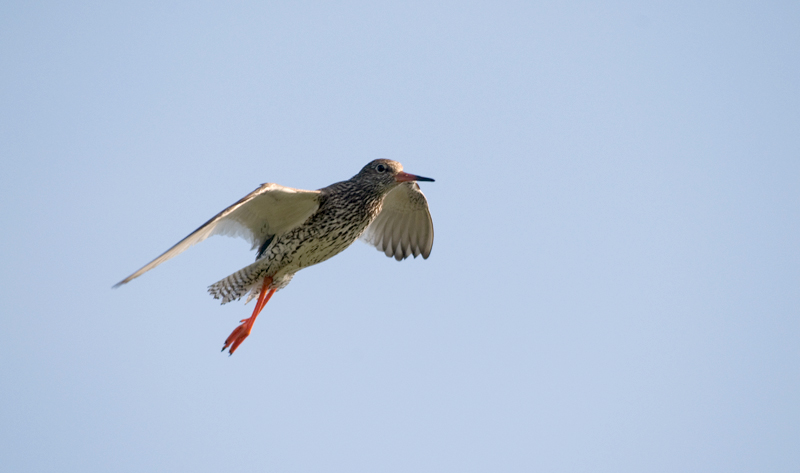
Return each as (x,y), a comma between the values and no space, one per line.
(242,331)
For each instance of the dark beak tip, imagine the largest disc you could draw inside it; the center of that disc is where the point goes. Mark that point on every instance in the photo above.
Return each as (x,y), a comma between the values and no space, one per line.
(406,177)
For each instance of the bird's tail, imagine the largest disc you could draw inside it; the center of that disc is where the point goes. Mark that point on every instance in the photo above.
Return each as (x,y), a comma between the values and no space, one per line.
(241,282)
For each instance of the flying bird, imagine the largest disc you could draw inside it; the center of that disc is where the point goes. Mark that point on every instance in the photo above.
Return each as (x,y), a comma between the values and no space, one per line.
(292,229)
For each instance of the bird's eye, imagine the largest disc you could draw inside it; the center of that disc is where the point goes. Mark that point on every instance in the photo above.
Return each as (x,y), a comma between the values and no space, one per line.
(380,168)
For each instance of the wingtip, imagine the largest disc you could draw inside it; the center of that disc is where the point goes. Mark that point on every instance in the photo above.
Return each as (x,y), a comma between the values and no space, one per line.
(427,251)
(115,286)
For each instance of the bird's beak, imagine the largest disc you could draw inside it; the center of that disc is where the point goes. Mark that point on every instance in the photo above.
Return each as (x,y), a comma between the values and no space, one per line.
(404,177)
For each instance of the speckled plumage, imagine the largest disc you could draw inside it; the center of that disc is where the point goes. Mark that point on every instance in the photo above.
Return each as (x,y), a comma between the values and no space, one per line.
(345,210)
(292,229)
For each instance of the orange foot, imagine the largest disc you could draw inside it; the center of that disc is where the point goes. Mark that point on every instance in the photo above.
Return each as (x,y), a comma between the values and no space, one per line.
(238,335)
(243,331)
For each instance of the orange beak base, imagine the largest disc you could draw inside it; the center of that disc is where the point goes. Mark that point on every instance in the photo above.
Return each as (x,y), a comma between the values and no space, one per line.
(405,177)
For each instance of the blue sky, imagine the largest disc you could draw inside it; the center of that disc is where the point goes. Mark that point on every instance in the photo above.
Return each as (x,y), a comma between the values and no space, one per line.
(614,285)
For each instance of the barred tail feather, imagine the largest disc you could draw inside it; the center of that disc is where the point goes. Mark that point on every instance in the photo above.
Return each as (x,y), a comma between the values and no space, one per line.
(239,283)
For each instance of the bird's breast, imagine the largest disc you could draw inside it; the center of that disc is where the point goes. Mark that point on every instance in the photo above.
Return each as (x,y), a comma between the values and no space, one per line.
(324,235)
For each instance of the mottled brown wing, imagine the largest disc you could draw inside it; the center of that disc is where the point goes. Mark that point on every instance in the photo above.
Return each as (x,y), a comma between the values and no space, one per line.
(404,226)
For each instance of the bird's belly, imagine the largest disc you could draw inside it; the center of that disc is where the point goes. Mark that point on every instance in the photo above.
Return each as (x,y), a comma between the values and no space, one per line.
(311,253)
(301,249)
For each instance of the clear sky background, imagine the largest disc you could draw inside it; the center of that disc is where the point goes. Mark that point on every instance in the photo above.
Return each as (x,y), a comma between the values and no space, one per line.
(614,285)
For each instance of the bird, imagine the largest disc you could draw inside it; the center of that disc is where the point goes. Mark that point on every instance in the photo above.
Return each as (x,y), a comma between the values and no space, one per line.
(291,229)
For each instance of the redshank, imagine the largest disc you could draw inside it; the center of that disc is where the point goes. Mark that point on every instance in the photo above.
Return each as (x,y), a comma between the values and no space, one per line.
(292,229)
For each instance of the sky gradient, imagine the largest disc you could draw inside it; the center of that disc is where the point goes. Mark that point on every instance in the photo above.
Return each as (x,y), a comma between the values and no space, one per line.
(614,284)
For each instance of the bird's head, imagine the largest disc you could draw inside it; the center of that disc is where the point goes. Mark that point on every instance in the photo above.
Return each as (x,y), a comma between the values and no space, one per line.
(385,175)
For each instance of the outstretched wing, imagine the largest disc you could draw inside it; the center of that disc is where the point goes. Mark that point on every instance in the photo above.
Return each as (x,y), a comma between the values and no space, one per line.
(267,211)
(404,226)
